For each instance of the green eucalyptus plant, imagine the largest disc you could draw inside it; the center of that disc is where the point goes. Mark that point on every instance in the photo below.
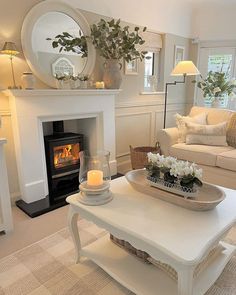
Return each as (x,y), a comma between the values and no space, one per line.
(114,42)
(110,39)
(216,84)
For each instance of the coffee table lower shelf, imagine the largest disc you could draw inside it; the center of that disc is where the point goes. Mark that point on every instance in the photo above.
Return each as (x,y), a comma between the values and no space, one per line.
(146,279)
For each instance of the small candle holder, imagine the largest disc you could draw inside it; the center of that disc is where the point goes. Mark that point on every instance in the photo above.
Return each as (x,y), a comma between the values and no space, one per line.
(94,178)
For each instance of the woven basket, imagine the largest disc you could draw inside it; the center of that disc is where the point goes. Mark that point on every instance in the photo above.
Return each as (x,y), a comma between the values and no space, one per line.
(129,248)
(138,155)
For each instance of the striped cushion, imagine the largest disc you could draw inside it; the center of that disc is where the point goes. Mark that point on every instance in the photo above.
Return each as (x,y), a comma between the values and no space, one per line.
(231,131)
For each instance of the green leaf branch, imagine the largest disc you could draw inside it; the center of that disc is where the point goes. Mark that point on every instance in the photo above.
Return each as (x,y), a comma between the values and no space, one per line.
(111,40)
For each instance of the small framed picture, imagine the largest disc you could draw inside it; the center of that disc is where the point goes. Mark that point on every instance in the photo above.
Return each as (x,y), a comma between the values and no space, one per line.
(179,54)
(131,68)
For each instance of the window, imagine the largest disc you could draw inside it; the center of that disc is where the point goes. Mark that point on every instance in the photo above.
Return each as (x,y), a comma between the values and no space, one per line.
(150,65)
(151,71)
(220,63)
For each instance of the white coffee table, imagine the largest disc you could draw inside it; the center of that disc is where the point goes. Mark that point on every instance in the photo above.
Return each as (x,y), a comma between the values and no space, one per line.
(171,234)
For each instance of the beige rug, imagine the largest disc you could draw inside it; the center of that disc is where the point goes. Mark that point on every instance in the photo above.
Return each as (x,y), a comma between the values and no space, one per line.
(47,267)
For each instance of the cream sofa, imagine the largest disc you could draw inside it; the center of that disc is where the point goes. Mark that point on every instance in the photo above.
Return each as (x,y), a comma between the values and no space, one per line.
(218,162)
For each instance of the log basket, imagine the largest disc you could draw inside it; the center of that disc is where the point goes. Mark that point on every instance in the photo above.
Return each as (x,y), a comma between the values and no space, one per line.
(138,155)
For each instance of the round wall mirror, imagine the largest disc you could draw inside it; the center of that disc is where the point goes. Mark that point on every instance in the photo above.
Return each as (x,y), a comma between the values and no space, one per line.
(46,20)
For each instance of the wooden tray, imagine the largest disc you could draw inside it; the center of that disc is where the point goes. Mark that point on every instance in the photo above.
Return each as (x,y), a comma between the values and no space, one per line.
(209,196)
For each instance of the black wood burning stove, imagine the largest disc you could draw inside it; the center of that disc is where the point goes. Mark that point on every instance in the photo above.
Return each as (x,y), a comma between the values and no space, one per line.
(62,159)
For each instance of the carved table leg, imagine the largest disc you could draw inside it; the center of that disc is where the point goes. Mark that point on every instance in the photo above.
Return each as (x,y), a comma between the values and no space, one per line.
(73,227)
(185,281)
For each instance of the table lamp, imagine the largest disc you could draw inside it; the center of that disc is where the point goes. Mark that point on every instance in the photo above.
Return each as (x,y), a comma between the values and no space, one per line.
(183,68)
(10,49)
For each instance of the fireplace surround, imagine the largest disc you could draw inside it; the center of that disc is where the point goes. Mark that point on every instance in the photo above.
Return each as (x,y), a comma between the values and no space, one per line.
(63,163)
(30,109)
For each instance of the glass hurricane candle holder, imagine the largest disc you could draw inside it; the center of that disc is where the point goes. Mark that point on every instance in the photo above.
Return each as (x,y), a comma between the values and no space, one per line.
(94,178)
(94,168)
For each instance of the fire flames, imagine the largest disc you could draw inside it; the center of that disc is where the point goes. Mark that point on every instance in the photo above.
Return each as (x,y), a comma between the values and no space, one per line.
(66,155)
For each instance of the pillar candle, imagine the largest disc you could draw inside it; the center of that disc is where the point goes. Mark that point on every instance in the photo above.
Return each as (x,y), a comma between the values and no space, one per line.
(99,85)
(94,178)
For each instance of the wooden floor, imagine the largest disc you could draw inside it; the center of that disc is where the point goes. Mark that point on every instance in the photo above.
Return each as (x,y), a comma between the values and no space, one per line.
(30,230)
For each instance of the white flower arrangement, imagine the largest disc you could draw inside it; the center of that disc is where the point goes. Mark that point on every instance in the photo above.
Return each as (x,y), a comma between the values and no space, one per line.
(173,170)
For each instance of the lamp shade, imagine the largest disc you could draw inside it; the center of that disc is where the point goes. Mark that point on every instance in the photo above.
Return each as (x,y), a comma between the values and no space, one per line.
(9,48)
(185,67)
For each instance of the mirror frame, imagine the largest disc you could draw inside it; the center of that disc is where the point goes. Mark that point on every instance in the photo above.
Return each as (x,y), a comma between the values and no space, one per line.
(26,37)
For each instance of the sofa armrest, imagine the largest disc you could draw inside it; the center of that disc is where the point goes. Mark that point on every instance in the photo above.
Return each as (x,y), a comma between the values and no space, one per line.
(166,138)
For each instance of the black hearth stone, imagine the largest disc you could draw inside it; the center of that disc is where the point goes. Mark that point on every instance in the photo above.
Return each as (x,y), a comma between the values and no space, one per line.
(43,206)
(39,207)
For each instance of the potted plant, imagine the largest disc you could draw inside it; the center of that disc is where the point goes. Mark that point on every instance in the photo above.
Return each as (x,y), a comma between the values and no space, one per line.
(216,86)
(112,41)
(63,80)
(83,81)
(172,173)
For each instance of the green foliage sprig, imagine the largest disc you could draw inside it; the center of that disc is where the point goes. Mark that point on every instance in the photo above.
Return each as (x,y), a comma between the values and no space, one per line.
(110,39)
(83,77)
(216,84)
(67,42)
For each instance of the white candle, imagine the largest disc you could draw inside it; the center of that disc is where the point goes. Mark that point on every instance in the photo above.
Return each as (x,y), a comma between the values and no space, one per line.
(99,85)
(95,177)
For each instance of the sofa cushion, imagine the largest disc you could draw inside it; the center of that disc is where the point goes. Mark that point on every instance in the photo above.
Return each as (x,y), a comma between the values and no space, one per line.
(227,160)
(182,120)
(214,116)
(217,129)
(206,134)
(199,154)
(205,139)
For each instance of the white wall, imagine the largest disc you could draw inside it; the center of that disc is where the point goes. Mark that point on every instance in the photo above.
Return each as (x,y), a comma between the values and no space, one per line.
(171,16)
(215,21)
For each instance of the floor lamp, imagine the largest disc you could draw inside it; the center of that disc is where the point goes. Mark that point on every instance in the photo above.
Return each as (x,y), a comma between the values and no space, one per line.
(10,49)
(183,68)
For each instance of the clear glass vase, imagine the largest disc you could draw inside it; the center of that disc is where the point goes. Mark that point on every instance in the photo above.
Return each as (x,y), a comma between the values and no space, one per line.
(94,168)
(220,101)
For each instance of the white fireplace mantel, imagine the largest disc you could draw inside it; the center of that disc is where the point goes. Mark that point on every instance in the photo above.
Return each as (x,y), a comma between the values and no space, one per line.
(31,108)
